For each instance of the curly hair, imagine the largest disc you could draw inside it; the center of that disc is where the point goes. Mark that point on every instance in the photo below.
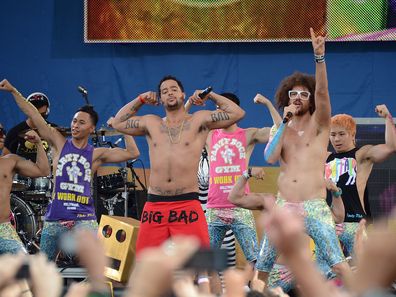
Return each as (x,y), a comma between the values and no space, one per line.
(296,79)
(346,121)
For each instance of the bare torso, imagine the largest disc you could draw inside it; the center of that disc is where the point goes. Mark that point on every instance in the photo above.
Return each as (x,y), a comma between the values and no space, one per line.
(302,163)
(7,166)
(174,165)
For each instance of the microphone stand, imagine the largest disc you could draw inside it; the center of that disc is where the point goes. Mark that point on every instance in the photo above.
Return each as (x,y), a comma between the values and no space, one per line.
(135,178)
(124,174)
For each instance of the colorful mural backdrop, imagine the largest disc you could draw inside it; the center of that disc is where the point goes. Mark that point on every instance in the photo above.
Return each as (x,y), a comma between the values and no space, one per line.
(237,20)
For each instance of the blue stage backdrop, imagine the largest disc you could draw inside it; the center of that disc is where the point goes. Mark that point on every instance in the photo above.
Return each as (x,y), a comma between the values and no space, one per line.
(42,49)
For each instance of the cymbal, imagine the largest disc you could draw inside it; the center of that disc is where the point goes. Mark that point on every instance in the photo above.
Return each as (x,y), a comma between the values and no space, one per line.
(23,132)
(65,131)
(108,132)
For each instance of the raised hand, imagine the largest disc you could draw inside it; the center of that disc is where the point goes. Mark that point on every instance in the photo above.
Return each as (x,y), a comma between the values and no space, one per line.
(382,110)
(149,98)
(6,86)
(154,270)
(261,99)
(110,122)
(32,136)
(196,100)
(46,280)
(318,43)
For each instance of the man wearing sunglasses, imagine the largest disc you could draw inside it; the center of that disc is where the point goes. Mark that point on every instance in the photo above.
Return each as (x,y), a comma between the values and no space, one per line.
(300,144)
(14,142)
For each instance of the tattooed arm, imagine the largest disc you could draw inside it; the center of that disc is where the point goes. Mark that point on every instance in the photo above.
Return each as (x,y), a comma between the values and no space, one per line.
(125,120)
(227,113)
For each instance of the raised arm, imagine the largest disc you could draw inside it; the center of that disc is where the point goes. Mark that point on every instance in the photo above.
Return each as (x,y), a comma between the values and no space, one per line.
(125,120)
(322,98)
(116,155)
(261,135)
(238,196)
(27,167)
(381,152)
(227,114)
(46,132)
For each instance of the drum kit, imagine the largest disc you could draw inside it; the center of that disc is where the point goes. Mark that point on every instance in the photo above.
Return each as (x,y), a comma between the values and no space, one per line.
(31,196)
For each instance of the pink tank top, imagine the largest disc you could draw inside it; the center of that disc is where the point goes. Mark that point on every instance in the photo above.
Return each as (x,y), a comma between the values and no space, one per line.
(227,162)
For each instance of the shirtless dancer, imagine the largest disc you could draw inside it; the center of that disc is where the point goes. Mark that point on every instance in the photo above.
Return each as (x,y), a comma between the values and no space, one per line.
(301,146)
(280,275)
(75,162)
(175,145)
(11,164)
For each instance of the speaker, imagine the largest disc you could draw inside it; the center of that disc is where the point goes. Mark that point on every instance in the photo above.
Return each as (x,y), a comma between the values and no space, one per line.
(119,235)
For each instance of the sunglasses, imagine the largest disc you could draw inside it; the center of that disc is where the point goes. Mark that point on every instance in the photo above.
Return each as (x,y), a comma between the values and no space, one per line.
(303,95)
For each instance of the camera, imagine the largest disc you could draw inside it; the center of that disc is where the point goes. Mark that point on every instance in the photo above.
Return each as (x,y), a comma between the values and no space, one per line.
(208,259)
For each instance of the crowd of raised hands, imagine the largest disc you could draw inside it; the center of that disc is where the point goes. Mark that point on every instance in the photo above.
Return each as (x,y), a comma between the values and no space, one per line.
(159,271)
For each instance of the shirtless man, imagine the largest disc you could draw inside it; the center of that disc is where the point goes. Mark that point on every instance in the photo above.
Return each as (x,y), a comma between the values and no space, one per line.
(301,146)
(74,163)
(280,275)
(11,164)
(175,145)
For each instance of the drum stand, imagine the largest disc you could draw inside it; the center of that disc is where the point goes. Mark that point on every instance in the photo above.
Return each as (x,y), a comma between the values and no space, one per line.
(135,177)
(124,174)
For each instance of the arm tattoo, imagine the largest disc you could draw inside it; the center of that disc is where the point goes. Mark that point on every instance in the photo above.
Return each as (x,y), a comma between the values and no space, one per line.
(132,124)
(125,117)
(134,109)
(220,116)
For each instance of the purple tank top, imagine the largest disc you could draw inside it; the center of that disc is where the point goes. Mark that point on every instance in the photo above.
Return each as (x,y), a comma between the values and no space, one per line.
(72,199)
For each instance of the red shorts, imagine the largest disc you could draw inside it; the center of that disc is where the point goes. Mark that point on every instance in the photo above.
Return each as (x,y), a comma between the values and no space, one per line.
(162,220)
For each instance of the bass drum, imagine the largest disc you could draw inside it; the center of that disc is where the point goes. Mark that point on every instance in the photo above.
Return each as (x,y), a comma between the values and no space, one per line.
(23,219)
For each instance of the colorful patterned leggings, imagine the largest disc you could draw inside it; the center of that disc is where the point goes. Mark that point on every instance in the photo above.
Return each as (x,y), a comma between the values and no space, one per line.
(240,221)
(52,232)
(9,240)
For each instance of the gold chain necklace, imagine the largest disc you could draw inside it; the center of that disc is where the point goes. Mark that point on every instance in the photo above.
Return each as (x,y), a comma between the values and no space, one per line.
(170,134)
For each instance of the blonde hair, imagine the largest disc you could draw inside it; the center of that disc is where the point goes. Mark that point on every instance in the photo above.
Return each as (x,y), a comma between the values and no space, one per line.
(346,121)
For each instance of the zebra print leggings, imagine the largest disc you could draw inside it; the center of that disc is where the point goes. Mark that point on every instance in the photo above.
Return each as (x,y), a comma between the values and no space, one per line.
(229,239)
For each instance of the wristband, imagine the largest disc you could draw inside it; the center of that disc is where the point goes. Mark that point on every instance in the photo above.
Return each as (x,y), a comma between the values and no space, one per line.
(141,100)
(338,193)
(319,58)
(202,280)
(247,173)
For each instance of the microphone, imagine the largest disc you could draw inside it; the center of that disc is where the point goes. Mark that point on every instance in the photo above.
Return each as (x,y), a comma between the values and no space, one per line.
(205,92)
(82,90)
(102,133)
(130,163)
(118,141)
(287,117)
